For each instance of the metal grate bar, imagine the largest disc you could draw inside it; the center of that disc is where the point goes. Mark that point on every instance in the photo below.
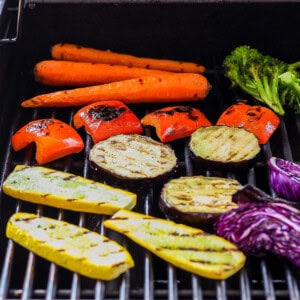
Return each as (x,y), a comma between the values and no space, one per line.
(148,267)
(267,281)
(292,284)
(196,288)
(172,285)
(245,286)
(221,290)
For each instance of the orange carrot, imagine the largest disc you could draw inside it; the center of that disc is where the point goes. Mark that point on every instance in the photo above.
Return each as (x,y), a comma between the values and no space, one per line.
(69,73)
(161,88)
(79,53)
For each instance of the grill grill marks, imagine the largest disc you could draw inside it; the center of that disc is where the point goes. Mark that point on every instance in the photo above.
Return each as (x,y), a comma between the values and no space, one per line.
(75,248)
(224,144)
(185,247)
(65,190)
(133,157)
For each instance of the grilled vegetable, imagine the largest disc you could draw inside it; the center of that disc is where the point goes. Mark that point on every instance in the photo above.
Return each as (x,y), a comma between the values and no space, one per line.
(261,228)
(284,177)
(107,118)
(70,73)
(252,194)
(198,200)
(148,89)
(73,52)
(72,247)
(268,79)
(224,146)
(175,122)
(53,138)
(185,247)
(65,190)
(259,120)
(133,157)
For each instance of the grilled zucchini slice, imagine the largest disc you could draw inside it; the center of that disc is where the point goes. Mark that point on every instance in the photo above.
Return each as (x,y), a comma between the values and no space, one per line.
(65,190)
(198,200)
(185,247)
(133,157)
(224,146)
(72,247)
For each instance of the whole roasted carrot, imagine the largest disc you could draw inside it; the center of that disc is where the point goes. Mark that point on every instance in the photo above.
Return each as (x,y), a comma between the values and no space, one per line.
(162,88)
(73,52)
(69,73)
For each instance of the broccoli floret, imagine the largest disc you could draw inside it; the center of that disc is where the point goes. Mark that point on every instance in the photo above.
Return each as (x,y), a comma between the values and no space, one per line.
(267,79)
(290,86)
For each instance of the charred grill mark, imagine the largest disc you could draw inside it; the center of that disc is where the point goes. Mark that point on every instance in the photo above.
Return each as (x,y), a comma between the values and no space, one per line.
(180,109)
(117,265)
(70,177)
(25,219)
(227,266)
(71,200)
(105,112)
(195,249)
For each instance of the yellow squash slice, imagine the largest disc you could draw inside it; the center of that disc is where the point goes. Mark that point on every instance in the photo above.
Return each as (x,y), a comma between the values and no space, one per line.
(65,190)
(185,247)
(72,247)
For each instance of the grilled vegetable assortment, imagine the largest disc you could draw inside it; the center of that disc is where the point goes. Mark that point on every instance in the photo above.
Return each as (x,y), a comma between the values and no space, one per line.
(106,83)
(221,146)
(198,200)
(107,118)
(259,120)
(185,247)
(72,247)
(64,190)
(54,139)
(133,157)
(175,122)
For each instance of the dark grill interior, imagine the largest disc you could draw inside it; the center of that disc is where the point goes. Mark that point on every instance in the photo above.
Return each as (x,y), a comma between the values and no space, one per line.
(202,32)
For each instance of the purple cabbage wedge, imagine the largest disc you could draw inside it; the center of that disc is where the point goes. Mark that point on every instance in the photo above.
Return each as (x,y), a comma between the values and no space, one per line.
(284,177)
(259,228)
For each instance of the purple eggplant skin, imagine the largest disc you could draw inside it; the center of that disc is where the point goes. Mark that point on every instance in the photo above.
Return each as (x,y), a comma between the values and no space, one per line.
(195,219)
(284,178)
(252,194)
(261,228)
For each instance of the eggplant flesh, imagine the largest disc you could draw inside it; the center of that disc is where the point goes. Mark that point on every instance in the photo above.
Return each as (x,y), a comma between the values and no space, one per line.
(133,157)
(224,147)
(198,200)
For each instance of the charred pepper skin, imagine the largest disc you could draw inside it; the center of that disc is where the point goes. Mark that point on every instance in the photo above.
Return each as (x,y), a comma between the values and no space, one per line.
(53,138)
(175,122)
(104,119)
(259,120)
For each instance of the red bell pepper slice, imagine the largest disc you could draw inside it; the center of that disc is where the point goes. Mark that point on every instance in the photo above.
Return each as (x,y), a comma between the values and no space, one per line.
(53,138)
(175,122)
(259,120)
(107,118)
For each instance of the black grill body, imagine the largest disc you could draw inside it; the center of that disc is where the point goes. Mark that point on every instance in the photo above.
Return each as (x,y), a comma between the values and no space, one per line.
(200,31)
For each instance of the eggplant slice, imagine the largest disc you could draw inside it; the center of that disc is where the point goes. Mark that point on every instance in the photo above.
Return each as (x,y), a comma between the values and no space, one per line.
(224,147)
(198,200)
(133,157)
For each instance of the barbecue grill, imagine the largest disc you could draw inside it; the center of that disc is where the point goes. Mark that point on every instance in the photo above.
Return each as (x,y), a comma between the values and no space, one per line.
(200,31)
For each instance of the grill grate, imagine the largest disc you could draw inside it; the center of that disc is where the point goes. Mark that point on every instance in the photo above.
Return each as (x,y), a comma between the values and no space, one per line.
(26,276)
